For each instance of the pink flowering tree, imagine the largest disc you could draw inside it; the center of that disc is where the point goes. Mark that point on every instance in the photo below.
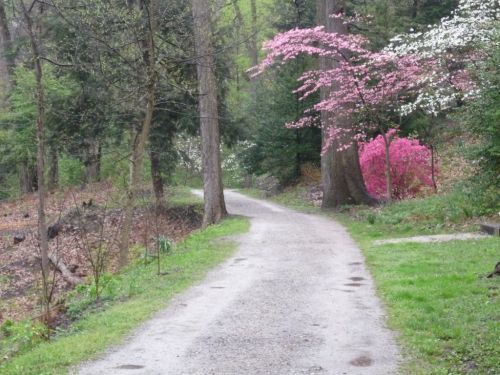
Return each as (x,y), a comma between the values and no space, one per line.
(369,87)
(410,162)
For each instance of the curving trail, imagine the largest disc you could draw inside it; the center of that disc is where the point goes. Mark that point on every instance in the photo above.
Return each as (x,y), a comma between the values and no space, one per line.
(295,299)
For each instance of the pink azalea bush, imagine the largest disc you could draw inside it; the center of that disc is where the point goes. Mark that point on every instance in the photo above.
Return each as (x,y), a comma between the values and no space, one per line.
(410,161)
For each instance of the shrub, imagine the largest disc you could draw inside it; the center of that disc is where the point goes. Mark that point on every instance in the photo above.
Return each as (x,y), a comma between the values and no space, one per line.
(411,169)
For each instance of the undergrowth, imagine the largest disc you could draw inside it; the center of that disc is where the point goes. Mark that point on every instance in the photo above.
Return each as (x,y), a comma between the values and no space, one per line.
(127,299)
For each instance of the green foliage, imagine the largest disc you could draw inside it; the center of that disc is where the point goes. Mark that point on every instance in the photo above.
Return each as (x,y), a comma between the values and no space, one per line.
(434,214)
(482,118)
(17,123)
(388,18)
(165,245)
(276,150)
(18,337)
(71,171)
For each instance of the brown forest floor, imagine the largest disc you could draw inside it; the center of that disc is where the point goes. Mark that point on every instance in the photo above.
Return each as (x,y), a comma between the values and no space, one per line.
(20,265)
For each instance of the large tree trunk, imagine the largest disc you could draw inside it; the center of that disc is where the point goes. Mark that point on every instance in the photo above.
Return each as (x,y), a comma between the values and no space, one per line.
(149,56)
(215,207)
(341,176)
(40,135)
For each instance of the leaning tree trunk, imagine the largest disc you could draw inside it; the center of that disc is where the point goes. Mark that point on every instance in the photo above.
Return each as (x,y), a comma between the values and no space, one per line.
(40,135)
(215,207)
(340,170)
(137,157)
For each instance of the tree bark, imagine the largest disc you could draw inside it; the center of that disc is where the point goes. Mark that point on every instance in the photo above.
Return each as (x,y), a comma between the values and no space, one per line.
(388,177)
(53,168)
(40,135)
(215,207)
(253,50)
(93,162)
(27,177)
(156,177)
(149,55)
(433,167)
(341,176)
(6,41)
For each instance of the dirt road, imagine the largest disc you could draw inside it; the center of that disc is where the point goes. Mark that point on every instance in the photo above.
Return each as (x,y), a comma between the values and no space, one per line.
(295,299)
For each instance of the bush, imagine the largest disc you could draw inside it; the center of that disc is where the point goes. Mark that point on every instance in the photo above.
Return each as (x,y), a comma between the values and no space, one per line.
(411,169)
(71,171)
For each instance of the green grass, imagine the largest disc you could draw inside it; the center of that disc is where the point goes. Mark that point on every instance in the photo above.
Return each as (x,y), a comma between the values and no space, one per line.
(129,299)
(443,213)
(447,314)
(182,196)
(291,197)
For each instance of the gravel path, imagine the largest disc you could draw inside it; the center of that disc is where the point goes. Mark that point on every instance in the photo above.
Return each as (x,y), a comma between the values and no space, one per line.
(295,299)
(433,238)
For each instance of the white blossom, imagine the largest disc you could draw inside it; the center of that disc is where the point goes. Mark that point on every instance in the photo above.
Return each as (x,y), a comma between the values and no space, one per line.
(473,25)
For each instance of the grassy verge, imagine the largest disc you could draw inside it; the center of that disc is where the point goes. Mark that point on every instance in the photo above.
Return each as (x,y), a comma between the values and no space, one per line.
(182,196)
(435,294)
(128,299)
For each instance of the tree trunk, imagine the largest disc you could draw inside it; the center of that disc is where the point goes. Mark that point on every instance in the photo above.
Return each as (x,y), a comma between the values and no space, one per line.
(137,157)
(251,44)
(388,177)
(93,162)
(40,135)
(27,177)
(53,168)
(6,41)
(253,51)
(215,207)
(433,167)
(341,176)
(156,177)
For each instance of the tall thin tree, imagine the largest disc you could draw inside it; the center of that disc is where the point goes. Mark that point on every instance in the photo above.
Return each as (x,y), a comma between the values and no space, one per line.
(147,44)
(215,207)
(6,42)
(33,32)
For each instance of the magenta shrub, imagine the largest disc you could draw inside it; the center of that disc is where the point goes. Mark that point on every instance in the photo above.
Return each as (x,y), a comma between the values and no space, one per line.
(411,169)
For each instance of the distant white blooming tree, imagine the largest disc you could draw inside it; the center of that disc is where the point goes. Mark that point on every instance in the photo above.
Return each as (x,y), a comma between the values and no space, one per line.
(457,42)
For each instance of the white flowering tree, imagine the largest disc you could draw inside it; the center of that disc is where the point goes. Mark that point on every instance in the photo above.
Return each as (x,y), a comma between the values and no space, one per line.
(457,42)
